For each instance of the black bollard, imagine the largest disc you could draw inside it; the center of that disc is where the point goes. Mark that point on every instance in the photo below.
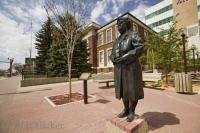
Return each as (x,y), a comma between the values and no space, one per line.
(85,92)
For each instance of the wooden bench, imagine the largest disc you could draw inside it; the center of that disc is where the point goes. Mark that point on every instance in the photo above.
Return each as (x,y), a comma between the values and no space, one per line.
(103,78)
(147,77)
(107,81)
(152,77)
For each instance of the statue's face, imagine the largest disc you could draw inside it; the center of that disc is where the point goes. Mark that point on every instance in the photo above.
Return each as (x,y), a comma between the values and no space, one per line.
(121,24)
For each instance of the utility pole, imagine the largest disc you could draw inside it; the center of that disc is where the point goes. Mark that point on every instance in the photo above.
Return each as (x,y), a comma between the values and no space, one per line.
(31,39)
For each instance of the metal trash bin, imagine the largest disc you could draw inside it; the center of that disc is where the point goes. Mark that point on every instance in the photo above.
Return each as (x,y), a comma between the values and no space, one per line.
(183,83)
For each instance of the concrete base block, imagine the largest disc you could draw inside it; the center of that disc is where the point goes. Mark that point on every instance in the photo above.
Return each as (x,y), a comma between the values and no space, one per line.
(120,125)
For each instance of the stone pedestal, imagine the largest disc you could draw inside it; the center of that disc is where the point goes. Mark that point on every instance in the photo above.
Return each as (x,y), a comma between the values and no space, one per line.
(120,125)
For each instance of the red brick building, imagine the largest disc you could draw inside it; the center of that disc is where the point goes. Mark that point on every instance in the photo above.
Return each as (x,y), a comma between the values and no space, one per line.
(100,40)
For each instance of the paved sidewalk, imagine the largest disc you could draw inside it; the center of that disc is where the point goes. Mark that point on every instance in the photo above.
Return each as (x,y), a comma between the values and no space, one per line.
(165,111)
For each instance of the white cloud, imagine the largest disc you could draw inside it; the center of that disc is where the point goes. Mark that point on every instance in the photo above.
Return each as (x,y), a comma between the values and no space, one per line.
(16,10)
(120,2)
(115,9)
(15,36)
(139,11)
(13,42)
(98,10)
(24,14)
(107,17)
(116,6)
(39,13)
(105,7)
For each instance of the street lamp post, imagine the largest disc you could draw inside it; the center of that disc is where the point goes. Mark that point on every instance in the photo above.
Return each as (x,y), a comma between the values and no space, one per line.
(184,53)
(11,61)
(183,80)
(197,53)
(194,68)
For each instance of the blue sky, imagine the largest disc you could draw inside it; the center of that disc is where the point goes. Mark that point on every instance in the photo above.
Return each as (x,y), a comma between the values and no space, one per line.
(16,16)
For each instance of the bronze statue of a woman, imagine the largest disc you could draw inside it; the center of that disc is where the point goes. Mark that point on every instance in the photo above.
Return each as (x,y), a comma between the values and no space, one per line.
(127,69)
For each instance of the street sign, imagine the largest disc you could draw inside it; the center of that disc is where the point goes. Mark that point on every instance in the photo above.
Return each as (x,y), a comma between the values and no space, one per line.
(84,76)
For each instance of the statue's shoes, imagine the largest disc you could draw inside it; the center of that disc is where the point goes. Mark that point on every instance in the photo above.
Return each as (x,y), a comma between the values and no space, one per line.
(130,117)
(124,113)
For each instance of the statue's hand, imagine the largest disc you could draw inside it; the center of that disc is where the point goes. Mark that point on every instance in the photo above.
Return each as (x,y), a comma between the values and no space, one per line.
(118,60)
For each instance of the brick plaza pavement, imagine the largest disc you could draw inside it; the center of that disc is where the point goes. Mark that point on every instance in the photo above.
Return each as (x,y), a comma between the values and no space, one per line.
(29,112)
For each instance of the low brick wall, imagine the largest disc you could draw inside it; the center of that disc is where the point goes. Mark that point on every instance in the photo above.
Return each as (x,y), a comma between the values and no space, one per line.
(42,81)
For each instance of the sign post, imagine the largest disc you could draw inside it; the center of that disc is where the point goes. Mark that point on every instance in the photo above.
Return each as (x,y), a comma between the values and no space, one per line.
(85,77)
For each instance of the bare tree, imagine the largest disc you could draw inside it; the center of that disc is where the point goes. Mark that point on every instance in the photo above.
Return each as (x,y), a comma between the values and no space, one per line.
(18,67)
(69,16)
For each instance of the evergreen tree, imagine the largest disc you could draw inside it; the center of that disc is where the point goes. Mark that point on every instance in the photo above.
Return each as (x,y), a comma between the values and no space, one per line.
(43,44)
(57,63)
(52,52)
(80,58)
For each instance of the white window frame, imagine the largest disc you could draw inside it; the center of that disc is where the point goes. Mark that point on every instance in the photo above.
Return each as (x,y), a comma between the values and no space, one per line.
(101,64)
(88,49)
(109,63)
(191,29)
(111,35)
(100,34)
(87,41)
(116,32)
(146,32)
(136,26)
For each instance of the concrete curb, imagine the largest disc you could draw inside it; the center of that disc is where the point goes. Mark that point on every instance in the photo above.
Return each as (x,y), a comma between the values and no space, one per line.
(46,86)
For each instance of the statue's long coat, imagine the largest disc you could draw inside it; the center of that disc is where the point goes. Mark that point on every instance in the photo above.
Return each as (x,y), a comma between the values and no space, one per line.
(127,68)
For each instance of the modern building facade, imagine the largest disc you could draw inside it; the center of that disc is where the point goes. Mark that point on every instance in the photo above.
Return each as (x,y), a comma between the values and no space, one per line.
(100,40)
(185,12)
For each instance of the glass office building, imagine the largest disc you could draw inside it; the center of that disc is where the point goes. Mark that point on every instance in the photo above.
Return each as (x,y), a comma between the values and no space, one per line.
(186,12)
